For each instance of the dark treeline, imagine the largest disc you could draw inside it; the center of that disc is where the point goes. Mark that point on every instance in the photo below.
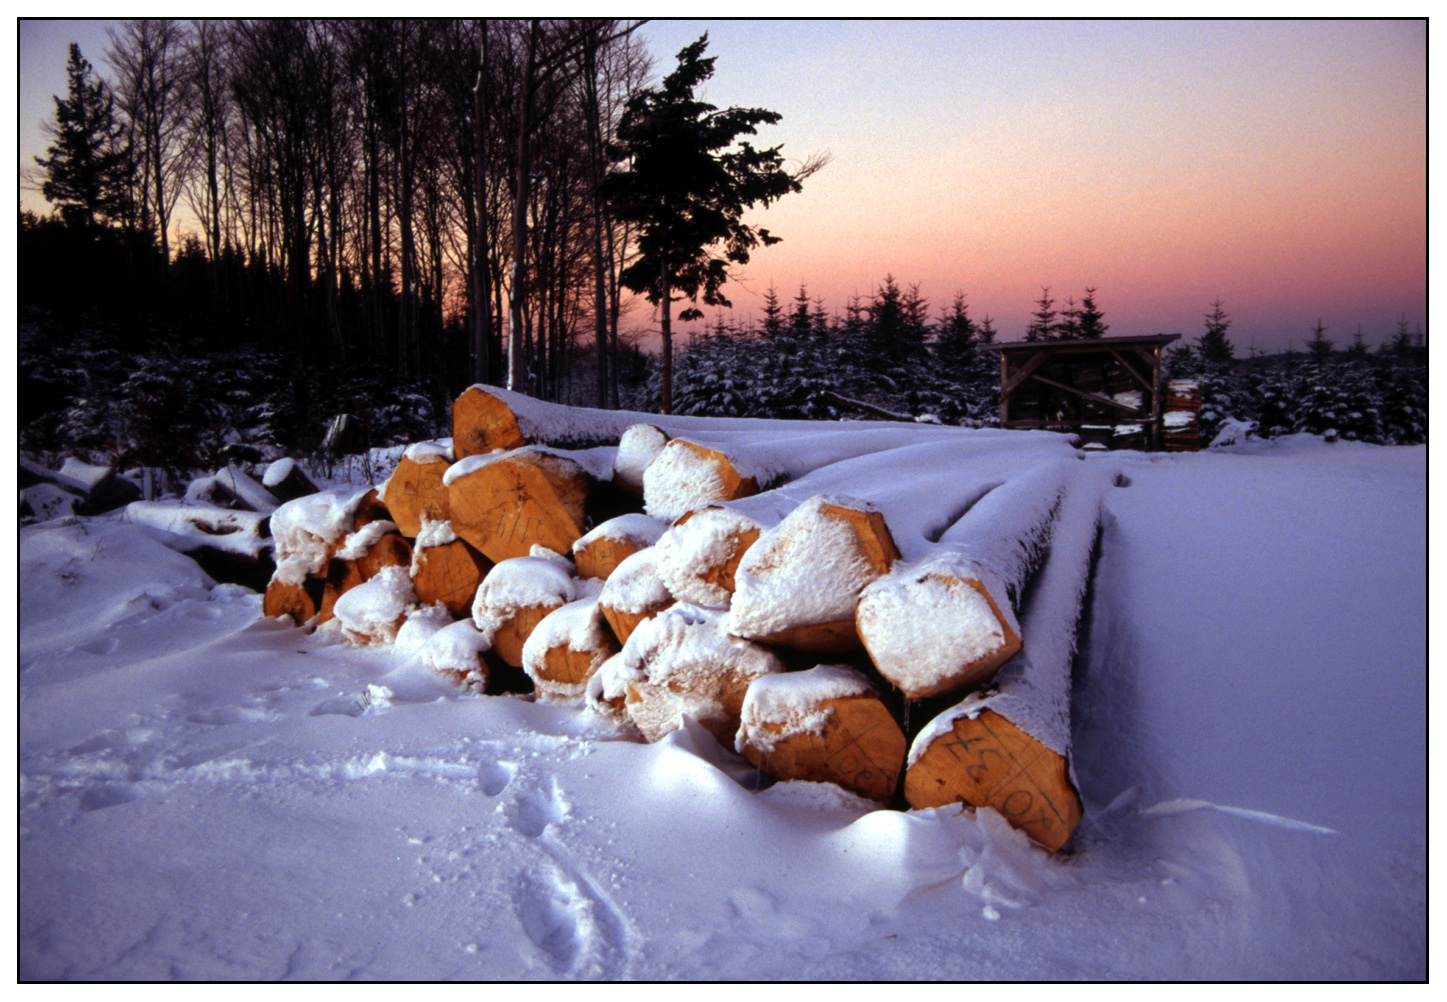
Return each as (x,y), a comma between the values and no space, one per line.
(354,193)
(891,353)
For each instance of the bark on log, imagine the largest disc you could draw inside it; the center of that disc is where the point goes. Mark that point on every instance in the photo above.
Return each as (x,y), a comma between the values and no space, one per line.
(506,505)
(989,762)
(849,738)
(449,574)
(800,583)
(415,492)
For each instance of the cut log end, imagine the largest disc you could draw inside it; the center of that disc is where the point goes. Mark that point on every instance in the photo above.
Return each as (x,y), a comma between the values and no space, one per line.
(481,423)
(859,747)
(415,492)
(449,574)
(506,507)
(989,762)
(685,477)
(300,602)
(602,556)
(624,623)
(935,634)
(517,626)
(370,509)
(818,638)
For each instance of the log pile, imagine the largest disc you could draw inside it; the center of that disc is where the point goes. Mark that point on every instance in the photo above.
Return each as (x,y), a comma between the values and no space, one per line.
(803,614)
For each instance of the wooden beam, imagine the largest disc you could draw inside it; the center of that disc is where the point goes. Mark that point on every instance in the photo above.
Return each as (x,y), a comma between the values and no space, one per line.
(1145,383)
(1025,371)
(1098,398)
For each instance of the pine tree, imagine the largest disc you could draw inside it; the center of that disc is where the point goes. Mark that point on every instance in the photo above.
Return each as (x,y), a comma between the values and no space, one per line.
(1042,326)
(1319,346)
(86,167)
(1358,351)
(1090,320)
(689,182)
(987,330)
(955,345)
(1067,328)
(773,313)
(1214,346)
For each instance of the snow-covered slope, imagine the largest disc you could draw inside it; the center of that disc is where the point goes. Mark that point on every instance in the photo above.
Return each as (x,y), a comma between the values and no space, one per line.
(205,793)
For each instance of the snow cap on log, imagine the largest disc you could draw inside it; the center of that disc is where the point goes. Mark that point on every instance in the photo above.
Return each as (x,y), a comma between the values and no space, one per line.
(690,665)
(639,445)
(415,490)
(948,622)
(685,477)
(456,651)
(634,592)
(506,503)
(824,725)
(374,611)
(800,583)
(607,691)
(308,530)
(568,647)
(600,551)
(287,481)
(516,595)
(361,556)
(699,557)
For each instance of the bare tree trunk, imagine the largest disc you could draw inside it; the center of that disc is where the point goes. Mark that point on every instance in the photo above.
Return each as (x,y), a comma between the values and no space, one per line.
(517,371)
(665,401)
(481,308)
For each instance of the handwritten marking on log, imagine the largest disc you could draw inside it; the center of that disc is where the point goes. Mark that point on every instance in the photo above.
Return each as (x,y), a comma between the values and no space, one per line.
(602,556)
(449,574)
(507,506)
(859,747)
(415,491)
(517,626)
(481,423)
(989,762)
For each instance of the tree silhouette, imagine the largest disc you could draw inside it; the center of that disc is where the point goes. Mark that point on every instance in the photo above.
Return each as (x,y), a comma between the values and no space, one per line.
(86,167)
(688,183)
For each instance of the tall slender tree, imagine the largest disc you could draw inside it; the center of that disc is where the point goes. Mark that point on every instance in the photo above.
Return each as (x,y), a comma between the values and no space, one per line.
(86,167)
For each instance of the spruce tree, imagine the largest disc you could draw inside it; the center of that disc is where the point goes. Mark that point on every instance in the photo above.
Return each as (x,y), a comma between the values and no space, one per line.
(85,168)
(1042,324)
(1214,346)
(773,313)
(1089,320)
(1319,346)
(1067,328)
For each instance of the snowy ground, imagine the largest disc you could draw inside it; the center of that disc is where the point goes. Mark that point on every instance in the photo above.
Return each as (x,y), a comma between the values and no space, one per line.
(205,793)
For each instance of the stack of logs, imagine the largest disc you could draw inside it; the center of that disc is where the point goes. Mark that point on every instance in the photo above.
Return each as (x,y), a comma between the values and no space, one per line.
(649,618)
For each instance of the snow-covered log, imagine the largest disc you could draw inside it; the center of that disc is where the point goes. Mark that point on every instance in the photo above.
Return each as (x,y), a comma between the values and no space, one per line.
(287,481)
(515,597)
(505,504)
(824,725)
(373,612)
(699,556)
(102,488)
(360,557)
(446,570)
(948,622)
(633,593)
(600,551)
(799,584)
(637,447)
(301,601)
(683,661)
(415,490)
(369,508)
(568,647)
(1009,747)
(456,651)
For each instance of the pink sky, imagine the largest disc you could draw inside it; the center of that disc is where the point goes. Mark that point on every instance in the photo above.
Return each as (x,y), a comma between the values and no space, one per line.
(1278,165)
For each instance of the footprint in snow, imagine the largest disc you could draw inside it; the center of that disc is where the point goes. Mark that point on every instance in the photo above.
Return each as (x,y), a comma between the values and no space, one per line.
(536,809)
(495,777)
(579,931)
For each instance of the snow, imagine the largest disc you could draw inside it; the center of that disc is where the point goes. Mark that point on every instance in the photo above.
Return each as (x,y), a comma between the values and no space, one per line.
(256,497)
(578,626)
(48,501)
(373,611)
(633,527)
(85,474)
(637,447)
(433,532)
(791,703)
(208,794)
(188,527)
(807,570)
(358,543)
(455,650)
(277,472)
(308,529)
(689,553)
(635,585)
(431,452)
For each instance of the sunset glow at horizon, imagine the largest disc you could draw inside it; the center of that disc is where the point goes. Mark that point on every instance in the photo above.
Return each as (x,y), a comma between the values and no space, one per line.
(1280,166)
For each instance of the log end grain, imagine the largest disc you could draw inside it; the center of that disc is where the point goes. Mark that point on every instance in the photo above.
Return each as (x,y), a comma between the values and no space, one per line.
(449,574)
(989,762)
(415,492)
(526,498)
(859,746)
(481,423)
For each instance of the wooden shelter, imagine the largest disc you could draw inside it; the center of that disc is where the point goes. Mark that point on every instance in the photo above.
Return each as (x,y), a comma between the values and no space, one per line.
(1109,391)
